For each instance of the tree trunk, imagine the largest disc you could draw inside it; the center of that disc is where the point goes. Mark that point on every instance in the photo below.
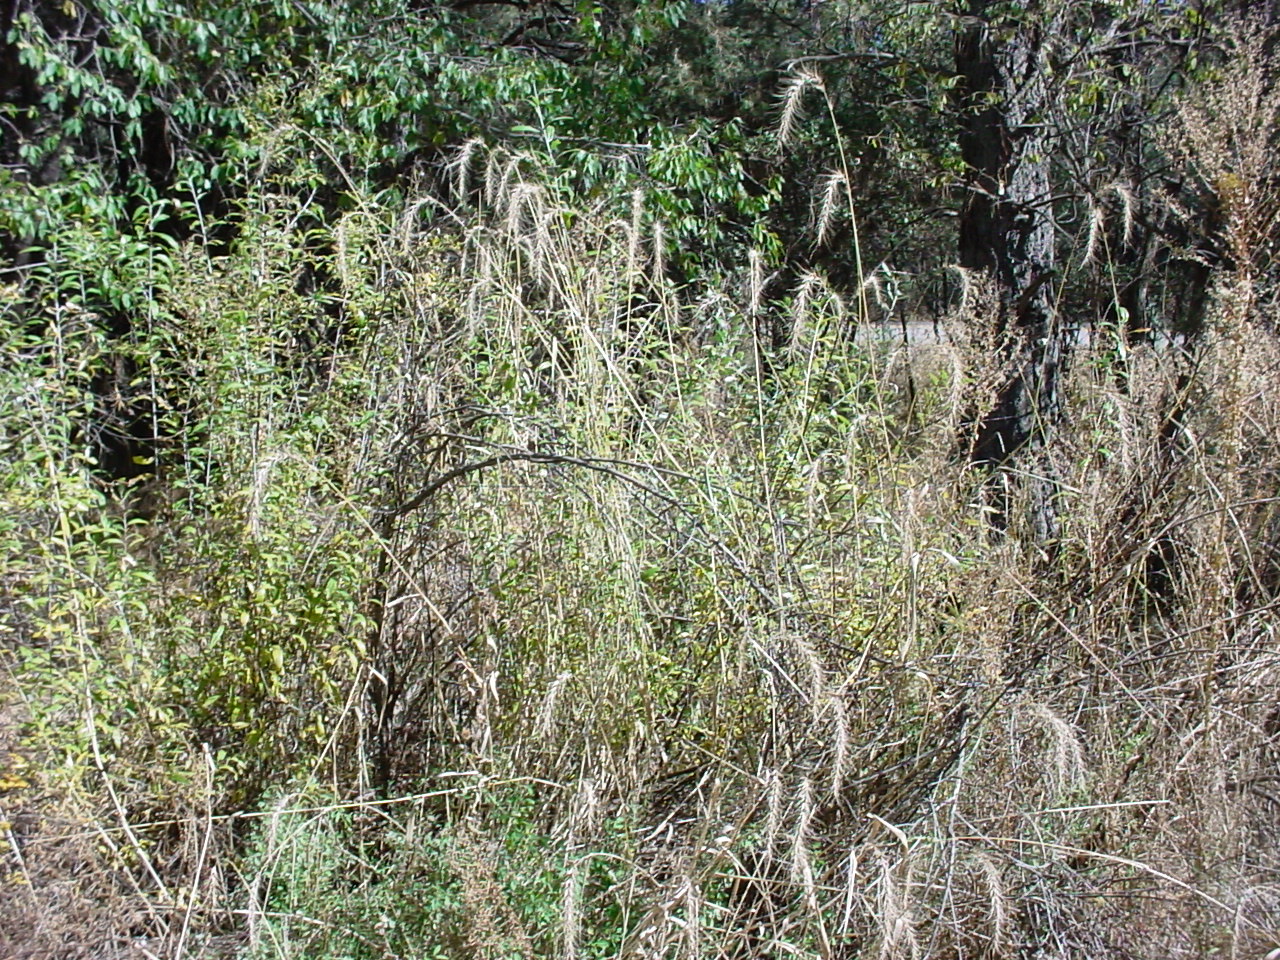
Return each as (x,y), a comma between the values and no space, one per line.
(1007,235)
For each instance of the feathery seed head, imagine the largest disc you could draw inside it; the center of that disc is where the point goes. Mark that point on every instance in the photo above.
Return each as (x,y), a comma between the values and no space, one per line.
(832,183)
(460,166)
(800,840)
(659,253)
(792,99)
(497,163)
(571,913)
(800,312)
(773,807)
(1095,237)
(1068,760)
(841,749)
(1127,202)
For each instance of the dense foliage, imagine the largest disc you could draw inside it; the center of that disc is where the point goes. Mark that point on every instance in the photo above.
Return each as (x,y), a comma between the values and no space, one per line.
(680,479)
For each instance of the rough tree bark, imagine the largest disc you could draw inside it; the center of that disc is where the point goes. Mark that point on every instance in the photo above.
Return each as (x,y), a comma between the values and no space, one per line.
(1007,235)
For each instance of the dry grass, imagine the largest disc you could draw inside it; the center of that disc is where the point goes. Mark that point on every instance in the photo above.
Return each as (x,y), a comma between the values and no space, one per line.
(734,625)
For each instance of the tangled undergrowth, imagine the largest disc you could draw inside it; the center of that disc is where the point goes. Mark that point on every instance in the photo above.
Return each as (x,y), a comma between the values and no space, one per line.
(486,595)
